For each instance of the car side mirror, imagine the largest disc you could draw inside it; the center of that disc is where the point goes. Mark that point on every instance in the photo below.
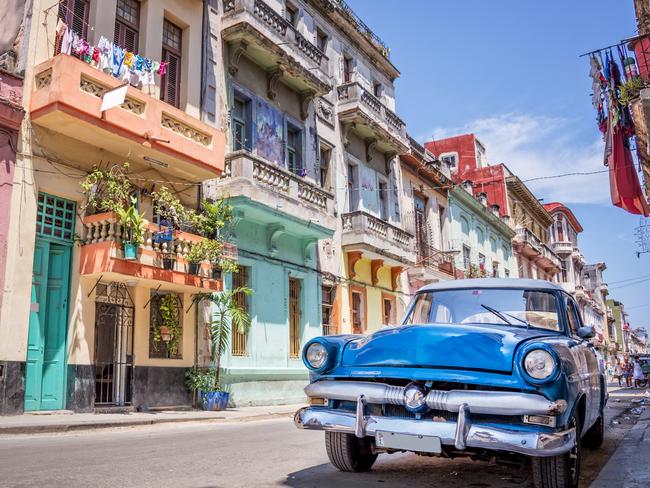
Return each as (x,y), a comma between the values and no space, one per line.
(586,332)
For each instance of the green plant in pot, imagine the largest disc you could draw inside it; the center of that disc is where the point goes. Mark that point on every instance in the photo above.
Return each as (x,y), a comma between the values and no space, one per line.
(168,207)
(107,189)
(228,315)
(204,250)
(166,328)
(132,223)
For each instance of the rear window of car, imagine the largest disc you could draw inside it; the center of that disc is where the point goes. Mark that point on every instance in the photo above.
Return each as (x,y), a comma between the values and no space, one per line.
(512,307)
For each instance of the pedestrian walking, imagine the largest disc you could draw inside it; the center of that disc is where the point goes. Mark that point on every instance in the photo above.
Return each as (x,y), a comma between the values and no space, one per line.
(618,371)
(627,372)
(638,373)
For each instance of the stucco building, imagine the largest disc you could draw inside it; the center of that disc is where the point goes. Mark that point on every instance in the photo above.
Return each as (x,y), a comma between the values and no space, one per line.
(467,157)
(78,319)
(583,281)
(425,186)
(480,238)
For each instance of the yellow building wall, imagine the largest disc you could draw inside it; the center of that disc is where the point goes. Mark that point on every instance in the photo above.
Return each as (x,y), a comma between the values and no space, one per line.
(374,295)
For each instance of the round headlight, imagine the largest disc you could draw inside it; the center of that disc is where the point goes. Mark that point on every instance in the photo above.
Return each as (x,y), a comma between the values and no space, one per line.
(539,364)
(316,355)
(414,398)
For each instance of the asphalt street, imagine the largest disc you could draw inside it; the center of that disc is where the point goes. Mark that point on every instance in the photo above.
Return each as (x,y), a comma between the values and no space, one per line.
(248,454)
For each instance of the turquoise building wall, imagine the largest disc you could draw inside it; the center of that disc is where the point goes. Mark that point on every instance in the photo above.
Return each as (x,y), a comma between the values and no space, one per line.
(267,375)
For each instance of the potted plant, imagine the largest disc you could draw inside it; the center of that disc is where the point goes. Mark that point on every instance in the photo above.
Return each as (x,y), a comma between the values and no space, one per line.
(167,328)
(132,224)
(168,260)
(196,256)
(169,208)
(228,314)
(107,190)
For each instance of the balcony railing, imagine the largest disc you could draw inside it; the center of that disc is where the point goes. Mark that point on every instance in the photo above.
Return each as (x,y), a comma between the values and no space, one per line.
(354,93)
(363,28)
(103,229)
(67,98)
(526,237)
(386,237)
(242,164)
(278,24)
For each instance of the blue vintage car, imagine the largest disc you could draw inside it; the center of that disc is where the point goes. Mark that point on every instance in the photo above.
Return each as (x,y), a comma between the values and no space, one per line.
(487,368)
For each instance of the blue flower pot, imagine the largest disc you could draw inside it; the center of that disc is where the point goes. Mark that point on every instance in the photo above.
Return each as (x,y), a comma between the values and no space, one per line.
(214,400)
(130,251)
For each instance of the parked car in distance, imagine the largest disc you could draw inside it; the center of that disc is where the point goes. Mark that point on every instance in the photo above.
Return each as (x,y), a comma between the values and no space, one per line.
(487,368)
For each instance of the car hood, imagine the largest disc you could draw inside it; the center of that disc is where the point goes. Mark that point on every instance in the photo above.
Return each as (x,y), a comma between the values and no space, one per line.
(467,347)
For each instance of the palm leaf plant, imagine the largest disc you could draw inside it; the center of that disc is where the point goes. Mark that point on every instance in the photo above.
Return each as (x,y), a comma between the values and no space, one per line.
(228,315)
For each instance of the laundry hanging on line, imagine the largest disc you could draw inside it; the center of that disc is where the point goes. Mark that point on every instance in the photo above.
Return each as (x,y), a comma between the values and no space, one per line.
(110,58)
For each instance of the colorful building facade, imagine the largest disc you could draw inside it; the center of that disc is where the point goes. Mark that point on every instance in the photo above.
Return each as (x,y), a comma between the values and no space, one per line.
(480,239)
(78,317)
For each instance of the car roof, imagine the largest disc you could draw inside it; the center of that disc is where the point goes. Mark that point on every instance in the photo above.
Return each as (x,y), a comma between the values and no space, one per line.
(512,283)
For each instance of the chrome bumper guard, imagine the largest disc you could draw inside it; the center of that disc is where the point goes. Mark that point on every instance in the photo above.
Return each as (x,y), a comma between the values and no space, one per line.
(480,402)
(461,434)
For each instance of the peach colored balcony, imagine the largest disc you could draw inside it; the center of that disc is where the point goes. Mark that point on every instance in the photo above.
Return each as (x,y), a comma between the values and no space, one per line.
(66,99)
(102,254)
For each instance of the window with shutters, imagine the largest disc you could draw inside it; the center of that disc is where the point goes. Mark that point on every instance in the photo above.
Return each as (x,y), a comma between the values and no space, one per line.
(328,295)
(241,123)
(171,54)
(294,150)
(127,24)
(75,14)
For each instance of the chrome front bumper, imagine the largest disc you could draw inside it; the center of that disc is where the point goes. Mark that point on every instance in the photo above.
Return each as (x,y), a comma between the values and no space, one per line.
(480,402)
(461,434)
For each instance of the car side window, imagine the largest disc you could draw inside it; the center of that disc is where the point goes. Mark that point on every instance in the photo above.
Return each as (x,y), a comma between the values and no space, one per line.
(573,318)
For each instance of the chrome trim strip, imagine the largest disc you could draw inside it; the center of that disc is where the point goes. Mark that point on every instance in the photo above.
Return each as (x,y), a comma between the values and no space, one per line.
(479,436)
(360,421)
(480,402)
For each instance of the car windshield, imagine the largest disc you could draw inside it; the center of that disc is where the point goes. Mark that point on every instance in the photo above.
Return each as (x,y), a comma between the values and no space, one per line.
(515,307)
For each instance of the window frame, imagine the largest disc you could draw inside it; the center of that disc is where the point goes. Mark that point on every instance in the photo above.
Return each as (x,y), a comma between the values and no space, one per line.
(241,298)
(123,25)
(164,353)
(328,305)
(170,52)
(246,123)
(294,150)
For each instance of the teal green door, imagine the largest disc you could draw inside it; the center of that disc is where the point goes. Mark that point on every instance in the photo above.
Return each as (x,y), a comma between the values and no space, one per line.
(45,375)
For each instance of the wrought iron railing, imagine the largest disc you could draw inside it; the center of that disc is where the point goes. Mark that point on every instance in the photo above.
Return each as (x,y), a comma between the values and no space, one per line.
(361,26)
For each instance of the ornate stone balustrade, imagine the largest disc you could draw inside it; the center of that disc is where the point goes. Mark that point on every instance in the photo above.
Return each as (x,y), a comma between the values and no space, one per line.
(281,34)
(362,109)
(250,176)
(103,229)
(365,232)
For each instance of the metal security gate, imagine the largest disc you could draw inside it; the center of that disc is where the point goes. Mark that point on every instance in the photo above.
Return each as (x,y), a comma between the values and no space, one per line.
(114,312)
(294,318)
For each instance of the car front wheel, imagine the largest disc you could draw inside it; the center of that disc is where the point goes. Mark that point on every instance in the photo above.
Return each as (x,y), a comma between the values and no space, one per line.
(595,436)
(561,471)
(349,453)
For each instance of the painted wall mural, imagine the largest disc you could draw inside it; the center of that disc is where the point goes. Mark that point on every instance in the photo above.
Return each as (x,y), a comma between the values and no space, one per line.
(269,133)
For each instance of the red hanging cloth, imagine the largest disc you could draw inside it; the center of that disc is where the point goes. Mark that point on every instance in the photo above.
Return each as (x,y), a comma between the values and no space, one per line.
(623,180)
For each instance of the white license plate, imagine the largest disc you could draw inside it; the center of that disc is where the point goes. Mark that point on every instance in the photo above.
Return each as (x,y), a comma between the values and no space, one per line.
(408,442)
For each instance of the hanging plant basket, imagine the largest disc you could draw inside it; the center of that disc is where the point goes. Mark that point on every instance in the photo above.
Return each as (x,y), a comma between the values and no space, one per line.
(194,268)
(165,333)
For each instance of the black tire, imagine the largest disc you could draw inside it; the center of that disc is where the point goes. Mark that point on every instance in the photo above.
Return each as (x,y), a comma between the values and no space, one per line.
(561,471)
(349,453)
(595,436)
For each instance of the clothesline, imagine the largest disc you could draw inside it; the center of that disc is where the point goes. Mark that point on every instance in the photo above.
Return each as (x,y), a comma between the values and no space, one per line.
(108,57)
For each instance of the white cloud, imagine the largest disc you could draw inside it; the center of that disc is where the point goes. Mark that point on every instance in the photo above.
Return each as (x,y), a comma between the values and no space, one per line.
(533,146)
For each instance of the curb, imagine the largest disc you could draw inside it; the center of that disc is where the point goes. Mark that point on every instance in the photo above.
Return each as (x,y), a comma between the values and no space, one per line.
(71,427)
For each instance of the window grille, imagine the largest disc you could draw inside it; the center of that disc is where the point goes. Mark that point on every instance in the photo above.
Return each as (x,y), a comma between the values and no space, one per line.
(239,343)
(55,217)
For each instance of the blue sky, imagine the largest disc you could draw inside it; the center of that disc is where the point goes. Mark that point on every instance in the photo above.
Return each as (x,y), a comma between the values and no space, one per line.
(509,71)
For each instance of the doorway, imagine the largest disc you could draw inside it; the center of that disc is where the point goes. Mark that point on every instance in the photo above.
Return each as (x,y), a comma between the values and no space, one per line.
(45,372)
(114,312)
(294,318)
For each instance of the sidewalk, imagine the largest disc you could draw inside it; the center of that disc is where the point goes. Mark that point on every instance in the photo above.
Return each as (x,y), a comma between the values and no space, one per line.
(628,467)
(40,422)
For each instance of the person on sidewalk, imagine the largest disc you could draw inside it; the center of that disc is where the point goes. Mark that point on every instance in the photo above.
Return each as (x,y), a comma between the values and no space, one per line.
(627,372)
(618,371)
(638,373)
